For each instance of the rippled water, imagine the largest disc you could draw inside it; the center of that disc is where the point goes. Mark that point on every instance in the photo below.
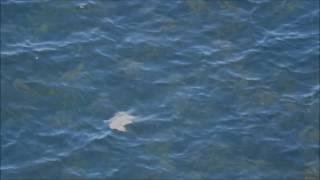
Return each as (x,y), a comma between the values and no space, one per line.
(224,89)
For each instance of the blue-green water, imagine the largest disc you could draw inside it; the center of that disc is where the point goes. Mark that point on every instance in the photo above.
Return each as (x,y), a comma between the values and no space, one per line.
(221,89)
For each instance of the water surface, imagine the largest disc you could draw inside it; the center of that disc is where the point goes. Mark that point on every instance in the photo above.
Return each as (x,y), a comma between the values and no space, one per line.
(223,89)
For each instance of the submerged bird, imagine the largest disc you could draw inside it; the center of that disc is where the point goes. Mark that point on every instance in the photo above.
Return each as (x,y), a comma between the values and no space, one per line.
(120,120)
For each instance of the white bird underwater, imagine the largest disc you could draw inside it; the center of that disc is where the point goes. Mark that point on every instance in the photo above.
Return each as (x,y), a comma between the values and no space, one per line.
(120,120)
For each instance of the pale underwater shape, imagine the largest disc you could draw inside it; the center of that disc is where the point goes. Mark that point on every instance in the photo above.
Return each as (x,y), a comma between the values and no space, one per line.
(120,120)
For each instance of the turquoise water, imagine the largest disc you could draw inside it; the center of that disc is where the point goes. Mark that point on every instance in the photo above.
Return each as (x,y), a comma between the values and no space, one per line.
(221,89)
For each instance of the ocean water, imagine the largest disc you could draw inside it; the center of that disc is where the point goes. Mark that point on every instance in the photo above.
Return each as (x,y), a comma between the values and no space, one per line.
(220,89)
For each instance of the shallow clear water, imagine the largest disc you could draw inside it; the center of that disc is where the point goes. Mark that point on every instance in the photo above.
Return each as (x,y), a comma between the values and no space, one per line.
(223,89)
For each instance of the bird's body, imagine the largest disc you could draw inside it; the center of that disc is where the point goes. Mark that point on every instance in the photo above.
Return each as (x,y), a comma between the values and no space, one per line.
(120,120)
